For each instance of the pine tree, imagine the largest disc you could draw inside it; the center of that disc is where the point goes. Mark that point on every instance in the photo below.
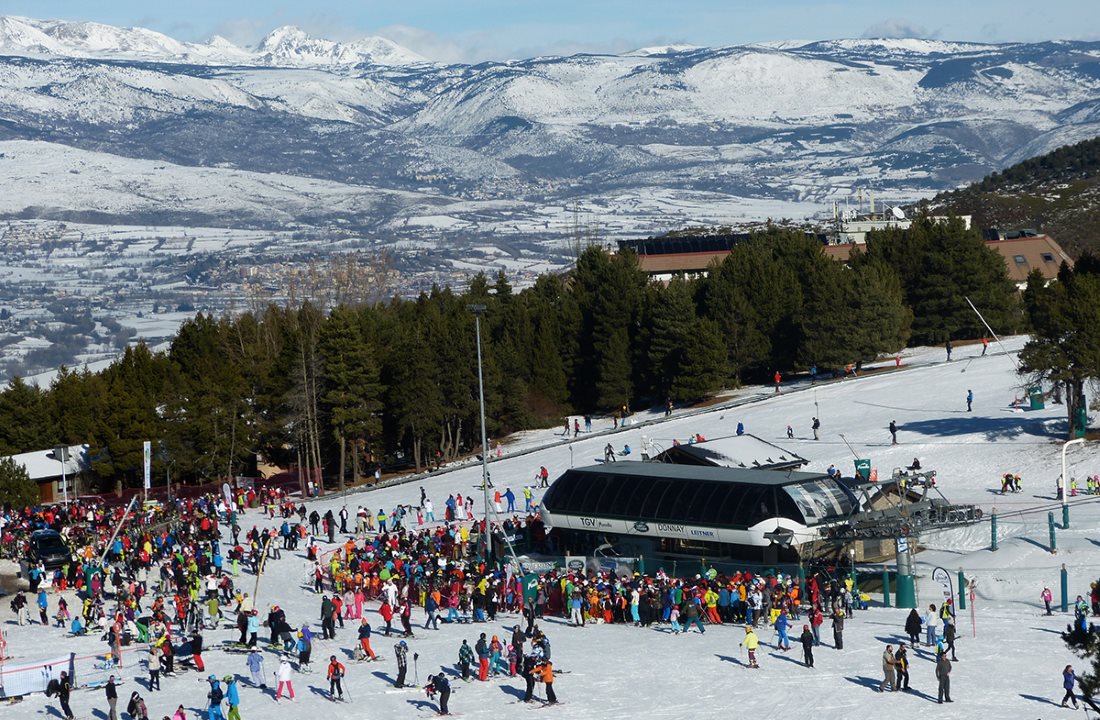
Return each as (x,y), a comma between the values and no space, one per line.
(668,328)
(941,264)
(754,298)
(16,487)
(414,397)
(24,419)
(703,368)
(608,290)
(827,318)
(1065,321)
(881,321)
(351,390)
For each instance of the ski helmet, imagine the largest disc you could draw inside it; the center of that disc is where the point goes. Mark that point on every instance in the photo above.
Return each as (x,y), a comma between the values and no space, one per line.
(403,644)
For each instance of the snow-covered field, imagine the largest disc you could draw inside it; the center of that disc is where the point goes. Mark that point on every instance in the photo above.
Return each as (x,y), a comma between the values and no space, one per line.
(1011,669)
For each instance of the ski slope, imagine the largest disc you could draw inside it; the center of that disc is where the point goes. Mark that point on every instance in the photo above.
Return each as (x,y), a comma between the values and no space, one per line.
(1012,669)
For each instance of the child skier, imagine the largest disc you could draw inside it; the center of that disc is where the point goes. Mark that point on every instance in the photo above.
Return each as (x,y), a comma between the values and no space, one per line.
(807,639)
(751,642)
(335,673)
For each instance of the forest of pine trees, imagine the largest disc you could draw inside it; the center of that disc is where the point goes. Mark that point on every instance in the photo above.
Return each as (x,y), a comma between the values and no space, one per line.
(344,388)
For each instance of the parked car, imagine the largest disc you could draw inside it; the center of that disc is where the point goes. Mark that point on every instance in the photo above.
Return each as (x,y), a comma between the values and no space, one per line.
(48,547)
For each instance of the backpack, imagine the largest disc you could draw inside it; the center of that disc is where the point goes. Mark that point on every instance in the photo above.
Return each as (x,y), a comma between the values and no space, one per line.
(216,696)
(53,687)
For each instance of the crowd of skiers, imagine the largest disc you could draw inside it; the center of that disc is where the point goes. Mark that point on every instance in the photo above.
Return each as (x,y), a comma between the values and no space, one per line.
(170,572)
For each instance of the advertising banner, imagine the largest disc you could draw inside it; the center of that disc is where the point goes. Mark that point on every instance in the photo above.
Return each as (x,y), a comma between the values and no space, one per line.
(147,452)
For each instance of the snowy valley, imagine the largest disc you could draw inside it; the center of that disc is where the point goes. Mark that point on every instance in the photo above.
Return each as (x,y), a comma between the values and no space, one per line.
(203,164)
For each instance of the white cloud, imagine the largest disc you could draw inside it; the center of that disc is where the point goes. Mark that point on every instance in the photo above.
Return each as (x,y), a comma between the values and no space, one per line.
(897,28)
(504,45)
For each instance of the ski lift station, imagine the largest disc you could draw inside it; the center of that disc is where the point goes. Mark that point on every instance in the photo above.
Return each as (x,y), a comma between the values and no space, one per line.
(662,510)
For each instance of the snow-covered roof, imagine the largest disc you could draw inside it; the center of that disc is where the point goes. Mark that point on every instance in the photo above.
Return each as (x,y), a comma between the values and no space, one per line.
(41,464)
(734,451)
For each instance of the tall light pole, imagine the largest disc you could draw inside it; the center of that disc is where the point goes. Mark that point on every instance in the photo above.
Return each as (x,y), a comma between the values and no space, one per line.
(478,311)
(1065,481)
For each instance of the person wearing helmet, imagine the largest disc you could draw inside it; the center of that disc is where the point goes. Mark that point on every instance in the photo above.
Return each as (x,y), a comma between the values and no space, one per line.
(284,675)
(751,642)
(215,696)
(305,649)
(335,673)
(255,664)
(252,627)
(401,649)
(232,697)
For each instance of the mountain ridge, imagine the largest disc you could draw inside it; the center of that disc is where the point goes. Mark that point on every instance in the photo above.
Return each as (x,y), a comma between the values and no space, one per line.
(642,142)
(286,45)
(1057,193)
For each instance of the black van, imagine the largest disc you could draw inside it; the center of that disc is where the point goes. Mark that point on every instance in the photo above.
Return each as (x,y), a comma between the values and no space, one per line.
(49,547)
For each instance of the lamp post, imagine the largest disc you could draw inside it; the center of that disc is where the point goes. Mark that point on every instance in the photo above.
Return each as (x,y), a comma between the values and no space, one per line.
(855,587)
(1065,482)
(478,311)
(61,454)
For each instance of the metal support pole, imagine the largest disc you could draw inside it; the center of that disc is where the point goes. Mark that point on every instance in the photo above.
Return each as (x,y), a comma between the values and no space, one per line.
(1065,589)
(962,590)
(1053,538)
(64,477)
(125,517)
(478,310)
(995,338)
(993,529)
(1065,481)
(886,588)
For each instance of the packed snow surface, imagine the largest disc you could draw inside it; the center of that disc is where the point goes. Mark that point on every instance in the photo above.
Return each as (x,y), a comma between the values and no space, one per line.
(1010,656)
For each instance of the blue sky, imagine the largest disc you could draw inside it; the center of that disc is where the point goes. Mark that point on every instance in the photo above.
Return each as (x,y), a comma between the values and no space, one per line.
(471,30)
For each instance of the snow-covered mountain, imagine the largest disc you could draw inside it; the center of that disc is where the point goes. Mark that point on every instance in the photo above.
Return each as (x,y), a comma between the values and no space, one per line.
(283,46)
(290,46)
(646,141)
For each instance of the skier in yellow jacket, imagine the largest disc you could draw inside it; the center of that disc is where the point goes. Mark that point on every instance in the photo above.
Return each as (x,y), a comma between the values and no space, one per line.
(751,642)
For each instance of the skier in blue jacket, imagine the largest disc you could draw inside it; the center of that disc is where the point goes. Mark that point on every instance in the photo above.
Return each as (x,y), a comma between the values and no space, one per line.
(781,623)
(256,667)
(233,697)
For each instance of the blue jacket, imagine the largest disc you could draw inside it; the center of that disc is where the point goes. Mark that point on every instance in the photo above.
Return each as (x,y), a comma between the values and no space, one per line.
(1068,680)
(231,693)
(255,661)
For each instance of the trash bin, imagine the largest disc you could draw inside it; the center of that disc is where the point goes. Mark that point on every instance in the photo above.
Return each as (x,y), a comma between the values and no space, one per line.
(1035,394)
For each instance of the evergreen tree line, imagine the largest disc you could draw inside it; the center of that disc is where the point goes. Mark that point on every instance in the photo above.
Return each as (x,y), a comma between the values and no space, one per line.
(343,389)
